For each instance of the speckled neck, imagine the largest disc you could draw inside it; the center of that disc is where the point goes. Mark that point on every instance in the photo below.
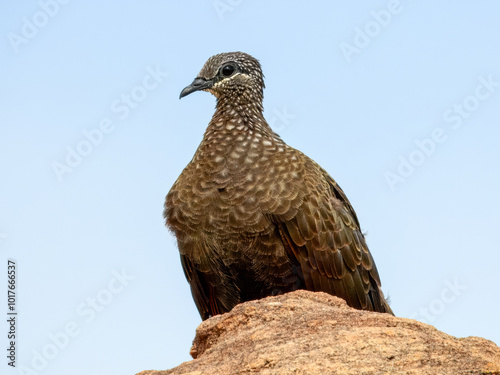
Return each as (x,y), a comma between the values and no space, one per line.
(248,111)
(236,139)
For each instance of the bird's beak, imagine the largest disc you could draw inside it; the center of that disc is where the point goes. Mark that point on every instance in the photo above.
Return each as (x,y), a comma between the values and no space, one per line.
(196,85)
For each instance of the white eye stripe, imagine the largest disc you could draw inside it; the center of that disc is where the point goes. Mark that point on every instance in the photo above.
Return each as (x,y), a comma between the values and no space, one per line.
(232,75)
(218,83)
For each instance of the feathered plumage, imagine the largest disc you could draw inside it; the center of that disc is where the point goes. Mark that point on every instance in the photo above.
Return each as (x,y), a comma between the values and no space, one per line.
(255,217)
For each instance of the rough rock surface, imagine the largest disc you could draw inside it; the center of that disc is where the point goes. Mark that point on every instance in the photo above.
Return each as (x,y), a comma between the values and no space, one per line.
(315,333)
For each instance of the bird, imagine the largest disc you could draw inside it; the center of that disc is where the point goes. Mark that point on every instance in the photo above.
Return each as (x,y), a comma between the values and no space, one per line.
(255,217)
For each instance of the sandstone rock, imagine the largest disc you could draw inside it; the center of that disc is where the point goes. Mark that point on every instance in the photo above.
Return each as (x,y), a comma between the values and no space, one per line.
(315,333)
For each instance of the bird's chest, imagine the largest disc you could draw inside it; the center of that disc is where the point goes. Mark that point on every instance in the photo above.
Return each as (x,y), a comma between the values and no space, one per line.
(232,185)
(221,193)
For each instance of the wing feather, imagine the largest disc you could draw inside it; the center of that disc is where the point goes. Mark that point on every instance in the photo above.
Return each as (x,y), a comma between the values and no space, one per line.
(325,240)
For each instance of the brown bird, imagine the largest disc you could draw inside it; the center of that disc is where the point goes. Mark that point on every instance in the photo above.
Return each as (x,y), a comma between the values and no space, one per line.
(254,217)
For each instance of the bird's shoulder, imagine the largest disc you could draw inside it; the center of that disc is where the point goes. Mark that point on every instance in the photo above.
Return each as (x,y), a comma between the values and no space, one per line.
(314,186)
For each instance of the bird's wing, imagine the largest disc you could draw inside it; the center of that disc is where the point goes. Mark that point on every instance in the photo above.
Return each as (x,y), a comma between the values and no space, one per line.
(211,291)
(206,305)
(324,239)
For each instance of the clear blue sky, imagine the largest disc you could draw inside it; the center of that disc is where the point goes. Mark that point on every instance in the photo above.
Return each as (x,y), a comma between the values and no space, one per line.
(398,100)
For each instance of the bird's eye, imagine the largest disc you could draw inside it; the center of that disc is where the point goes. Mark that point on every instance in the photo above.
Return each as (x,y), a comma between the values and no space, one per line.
(227,70)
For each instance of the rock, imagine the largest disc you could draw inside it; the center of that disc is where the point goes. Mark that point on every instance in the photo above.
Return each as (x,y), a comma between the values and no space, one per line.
(315,333)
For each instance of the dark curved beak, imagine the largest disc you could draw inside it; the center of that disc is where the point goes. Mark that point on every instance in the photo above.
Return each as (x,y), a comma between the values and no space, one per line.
(197,85)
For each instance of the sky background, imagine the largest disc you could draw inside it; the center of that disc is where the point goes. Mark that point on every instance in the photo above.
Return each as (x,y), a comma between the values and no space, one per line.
(398,101)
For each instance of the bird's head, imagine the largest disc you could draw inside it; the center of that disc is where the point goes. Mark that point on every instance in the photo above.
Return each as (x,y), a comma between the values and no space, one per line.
(235,76)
